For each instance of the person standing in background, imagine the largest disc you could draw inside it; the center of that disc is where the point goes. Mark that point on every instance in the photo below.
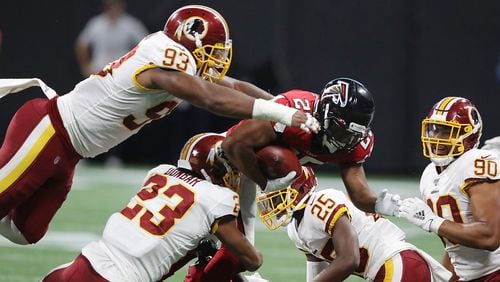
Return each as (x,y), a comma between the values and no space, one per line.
(107,36)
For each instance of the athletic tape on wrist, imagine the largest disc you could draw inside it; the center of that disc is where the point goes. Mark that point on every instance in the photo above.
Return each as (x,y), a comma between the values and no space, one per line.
(267,110)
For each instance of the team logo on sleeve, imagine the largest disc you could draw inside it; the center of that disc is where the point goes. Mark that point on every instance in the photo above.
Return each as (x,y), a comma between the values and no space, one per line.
(338,92)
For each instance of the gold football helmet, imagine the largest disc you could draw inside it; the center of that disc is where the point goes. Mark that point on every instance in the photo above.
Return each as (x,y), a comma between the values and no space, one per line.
(452,127)
(276,208)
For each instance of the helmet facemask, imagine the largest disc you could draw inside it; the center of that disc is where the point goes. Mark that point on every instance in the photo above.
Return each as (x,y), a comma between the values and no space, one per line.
(213,61)
(337,135)
(276,208)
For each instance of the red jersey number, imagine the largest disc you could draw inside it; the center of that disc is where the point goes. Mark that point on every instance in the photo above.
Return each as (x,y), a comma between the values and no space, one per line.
(157,186)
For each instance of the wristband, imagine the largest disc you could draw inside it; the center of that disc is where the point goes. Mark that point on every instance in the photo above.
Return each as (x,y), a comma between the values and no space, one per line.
(435,224)
(267,110)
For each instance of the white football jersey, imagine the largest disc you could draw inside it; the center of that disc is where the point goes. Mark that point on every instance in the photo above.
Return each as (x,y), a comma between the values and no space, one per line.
(447,194)
(166,219)
(379,239)
(107,108)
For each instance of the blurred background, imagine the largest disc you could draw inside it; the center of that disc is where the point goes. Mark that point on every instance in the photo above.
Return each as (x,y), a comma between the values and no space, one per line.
(409,53)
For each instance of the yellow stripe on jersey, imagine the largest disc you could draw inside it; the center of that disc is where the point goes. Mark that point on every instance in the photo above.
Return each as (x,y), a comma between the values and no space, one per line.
(468,183)
(28,158)
(441,108)
(389,270)
(139,71)
(334,216)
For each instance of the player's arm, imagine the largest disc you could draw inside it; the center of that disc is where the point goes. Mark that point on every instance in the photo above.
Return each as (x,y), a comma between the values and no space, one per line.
(354,178)
(484,232)
(222,100)
(241,145)
(229,234)
(345,244)
(245,87)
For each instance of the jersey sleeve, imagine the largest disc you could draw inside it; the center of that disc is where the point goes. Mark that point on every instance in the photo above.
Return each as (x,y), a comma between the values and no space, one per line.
(478,166)
(164,53)
(329,208)
(226,202)
(363,150)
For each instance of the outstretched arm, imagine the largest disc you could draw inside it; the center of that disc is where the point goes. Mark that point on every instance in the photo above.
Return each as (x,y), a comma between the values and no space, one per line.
(245,87)
(356,185)
(229,234)
(222,100)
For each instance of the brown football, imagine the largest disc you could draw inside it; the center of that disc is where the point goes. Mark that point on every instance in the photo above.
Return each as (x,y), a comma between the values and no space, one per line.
(275,161)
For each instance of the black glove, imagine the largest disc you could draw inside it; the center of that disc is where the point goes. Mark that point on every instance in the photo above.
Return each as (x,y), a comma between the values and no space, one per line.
(206,250)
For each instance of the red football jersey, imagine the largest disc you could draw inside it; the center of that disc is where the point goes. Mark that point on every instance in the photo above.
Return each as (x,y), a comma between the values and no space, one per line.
(309,151)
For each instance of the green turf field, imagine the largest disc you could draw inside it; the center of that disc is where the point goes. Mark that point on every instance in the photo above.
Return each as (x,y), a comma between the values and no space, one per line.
(97,192)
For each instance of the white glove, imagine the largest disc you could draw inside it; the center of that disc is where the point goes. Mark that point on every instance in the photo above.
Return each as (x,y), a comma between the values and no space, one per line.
(387,203)
(419,213)
(280,183)
(311,124)
(253,278)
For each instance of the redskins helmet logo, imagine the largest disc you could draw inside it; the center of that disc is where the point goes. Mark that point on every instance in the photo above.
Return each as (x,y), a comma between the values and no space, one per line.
(338,92)
(194,29)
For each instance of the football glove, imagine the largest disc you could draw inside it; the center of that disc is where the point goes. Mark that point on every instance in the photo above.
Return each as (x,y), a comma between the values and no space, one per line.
(280,183)
(387,203)
(311,124)
(419,213)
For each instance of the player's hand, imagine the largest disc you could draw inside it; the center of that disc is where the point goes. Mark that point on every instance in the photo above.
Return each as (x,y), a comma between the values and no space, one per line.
(280,183)
(305,121)
(419,213)
(387,203)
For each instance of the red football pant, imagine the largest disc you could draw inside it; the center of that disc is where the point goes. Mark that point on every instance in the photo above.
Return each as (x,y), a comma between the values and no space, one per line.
(408,267)
(221,268)
(37,164)
(79,270)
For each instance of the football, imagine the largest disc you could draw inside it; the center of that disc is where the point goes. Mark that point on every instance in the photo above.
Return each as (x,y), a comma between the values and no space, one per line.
(276,161)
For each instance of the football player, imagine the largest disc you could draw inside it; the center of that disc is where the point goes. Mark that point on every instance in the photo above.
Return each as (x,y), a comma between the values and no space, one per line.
(460,191)
(345,110)
(176,208)
(47,137)
(339,239)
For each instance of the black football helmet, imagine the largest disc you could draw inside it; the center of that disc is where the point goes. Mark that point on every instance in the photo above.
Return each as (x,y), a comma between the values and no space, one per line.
(344,110)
